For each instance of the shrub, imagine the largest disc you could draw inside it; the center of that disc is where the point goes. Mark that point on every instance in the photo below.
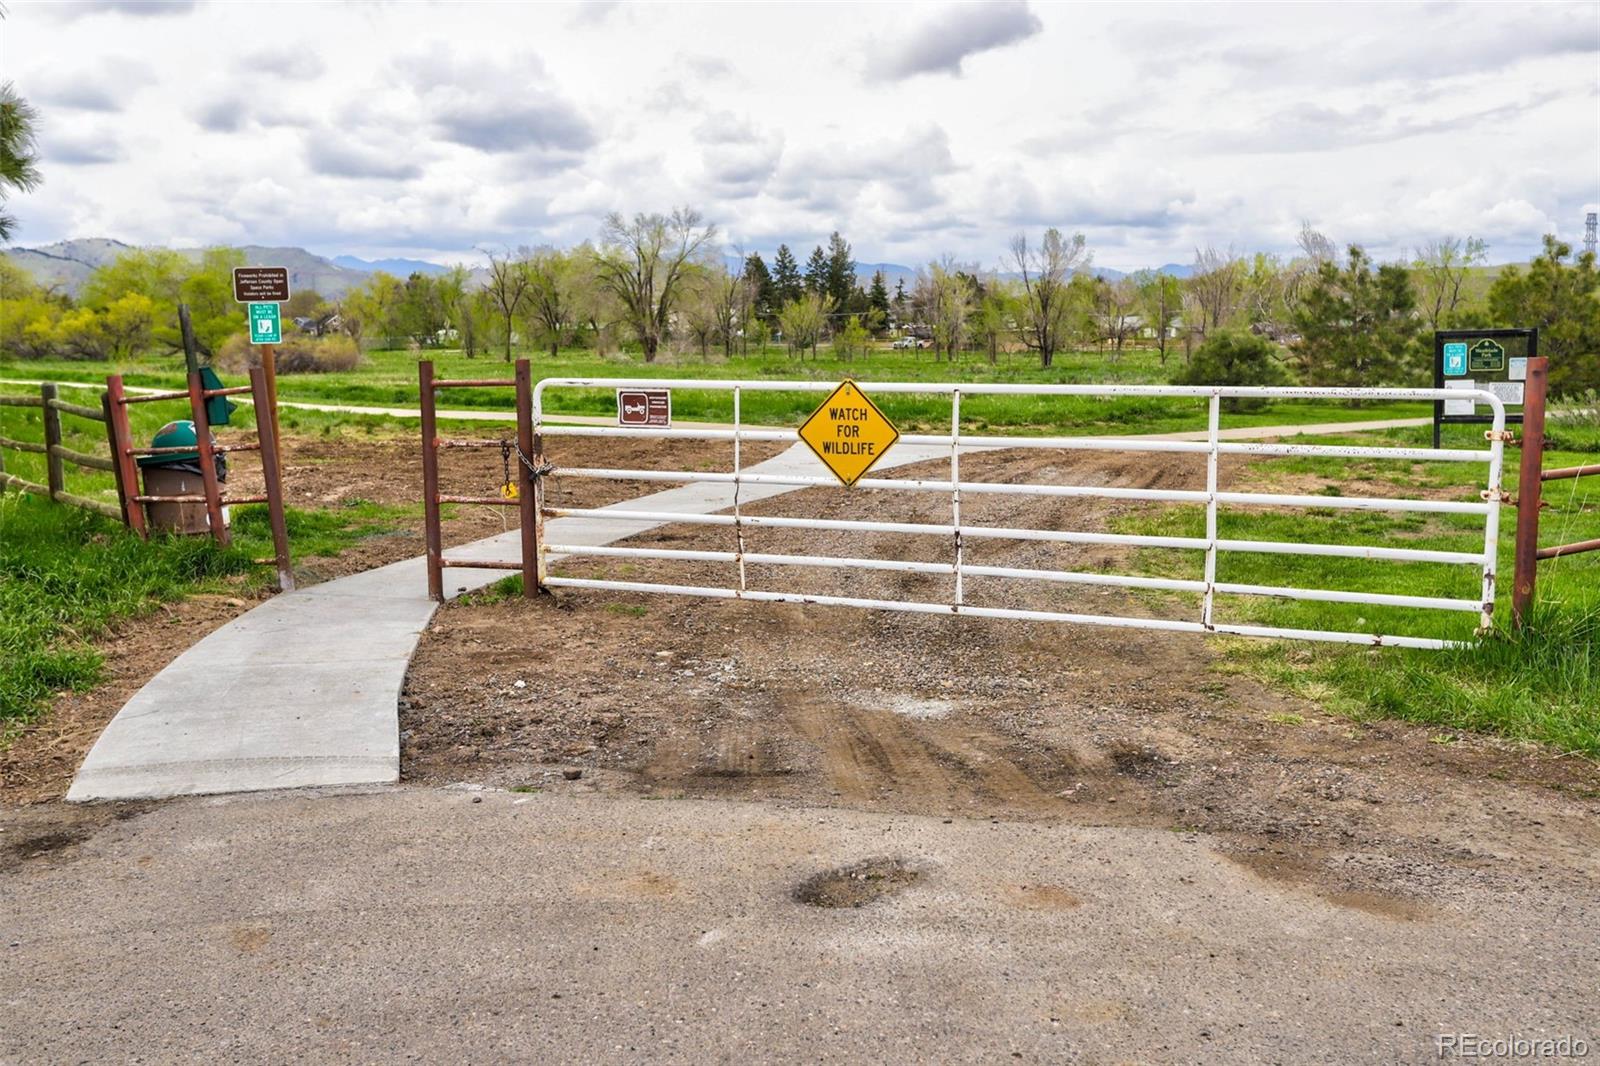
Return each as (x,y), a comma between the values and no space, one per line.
(1233,357)
(296,355)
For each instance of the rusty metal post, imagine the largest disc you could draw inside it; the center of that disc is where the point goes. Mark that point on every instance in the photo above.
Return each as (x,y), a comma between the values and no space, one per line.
(269,364)
(54,466)
(527,484)
(122,454)
(1529,481)
(208,461)
(430,482)
(266,432)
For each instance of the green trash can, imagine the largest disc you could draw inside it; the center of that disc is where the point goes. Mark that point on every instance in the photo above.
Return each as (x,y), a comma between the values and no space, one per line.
(178,474)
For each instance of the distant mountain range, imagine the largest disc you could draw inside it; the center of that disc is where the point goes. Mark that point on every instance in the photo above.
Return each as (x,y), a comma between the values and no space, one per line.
(65,265)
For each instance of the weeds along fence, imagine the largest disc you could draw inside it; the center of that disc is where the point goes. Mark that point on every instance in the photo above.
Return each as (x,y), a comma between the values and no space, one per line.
(57,456)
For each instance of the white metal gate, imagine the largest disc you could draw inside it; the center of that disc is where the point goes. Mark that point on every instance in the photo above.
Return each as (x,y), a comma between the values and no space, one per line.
(958,533)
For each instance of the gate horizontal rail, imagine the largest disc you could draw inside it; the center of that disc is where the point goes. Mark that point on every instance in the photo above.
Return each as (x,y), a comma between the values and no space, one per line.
(959,532)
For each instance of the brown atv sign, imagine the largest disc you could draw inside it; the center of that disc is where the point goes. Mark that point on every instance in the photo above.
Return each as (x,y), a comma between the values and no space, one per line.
(261,285)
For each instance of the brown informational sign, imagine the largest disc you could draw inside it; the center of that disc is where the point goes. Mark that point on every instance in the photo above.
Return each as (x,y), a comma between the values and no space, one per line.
(261,285)
(644,407)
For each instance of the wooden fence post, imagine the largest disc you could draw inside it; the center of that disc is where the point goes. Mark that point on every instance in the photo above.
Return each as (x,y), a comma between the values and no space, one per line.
(122,455)
(1530,481)
(54,465)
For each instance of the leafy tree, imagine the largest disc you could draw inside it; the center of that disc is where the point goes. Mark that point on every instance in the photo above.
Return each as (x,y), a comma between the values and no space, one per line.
(127,324)
(643,263)
(945,300)
(802,322)
(166,278)
(878,301)
(19,157)
(1046,272)
(1160,297)
(1357,326)
(368,310)
(851,340)
(421,313)
(786,283)
(817,279)
(1560,296)
(554,292)
(1235,357)
(763,290)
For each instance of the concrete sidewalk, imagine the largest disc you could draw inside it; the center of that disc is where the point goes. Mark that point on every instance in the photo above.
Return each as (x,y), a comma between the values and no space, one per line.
(305,689)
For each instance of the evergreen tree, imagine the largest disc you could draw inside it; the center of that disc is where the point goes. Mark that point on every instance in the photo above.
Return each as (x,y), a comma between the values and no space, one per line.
(817,272)
(878,301)
(841,272)
(900,302)
(1357,326)
(762,288)
(786,287)
(1557,296)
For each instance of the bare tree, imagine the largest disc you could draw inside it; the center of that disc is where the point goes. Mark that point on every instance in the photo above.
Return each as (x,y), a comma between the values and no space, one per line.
(1119,309)
(508,288)
(1316,246)
(1217,283)
(730,300)
(1442,267)
(1046,271)
(643,263)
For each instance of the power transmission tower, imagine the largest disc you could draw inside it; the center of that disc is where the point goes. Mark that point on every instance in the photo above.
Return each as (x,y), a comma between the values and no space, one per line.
(1590,224)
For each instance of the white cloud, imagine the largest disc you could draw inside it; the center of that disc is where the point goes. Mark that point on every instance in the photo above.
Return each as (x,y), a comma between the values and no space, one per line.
(1150,129)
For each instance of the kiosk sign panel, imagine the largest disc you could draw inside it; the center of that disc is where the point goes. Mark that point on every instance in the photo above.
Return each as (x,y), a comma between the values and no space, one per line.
(1490,360)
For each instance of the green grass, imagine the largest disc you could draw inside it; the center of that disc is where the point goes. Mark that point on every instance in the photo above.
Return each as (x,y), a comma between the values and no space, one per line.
(389,379)
(66,575)
(1541,683)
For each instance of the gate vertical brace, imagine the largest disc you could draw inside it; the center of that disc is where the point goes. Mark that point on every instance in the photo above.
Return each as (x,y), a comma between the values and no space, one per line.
(55,466)
(208,461)
(542,562)
(1214,425)
(272,473)
(738,469)
(1529,490)
(955,486)
(527,484)
(122,454)
(430,482)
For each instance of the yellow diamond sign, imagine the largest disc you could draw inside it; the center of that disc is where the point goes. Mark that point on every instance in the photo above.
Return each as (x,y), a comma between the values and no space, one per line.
(848,433)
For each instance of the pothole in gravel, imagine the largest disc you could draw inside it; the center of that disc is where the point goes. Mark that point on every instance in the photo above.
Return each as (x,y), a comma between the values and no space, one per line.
(857,884)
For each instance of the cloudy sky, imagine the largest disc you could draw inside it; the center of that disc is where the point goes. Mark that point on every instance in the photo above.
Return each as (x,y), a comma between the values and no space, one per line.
(916,129)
